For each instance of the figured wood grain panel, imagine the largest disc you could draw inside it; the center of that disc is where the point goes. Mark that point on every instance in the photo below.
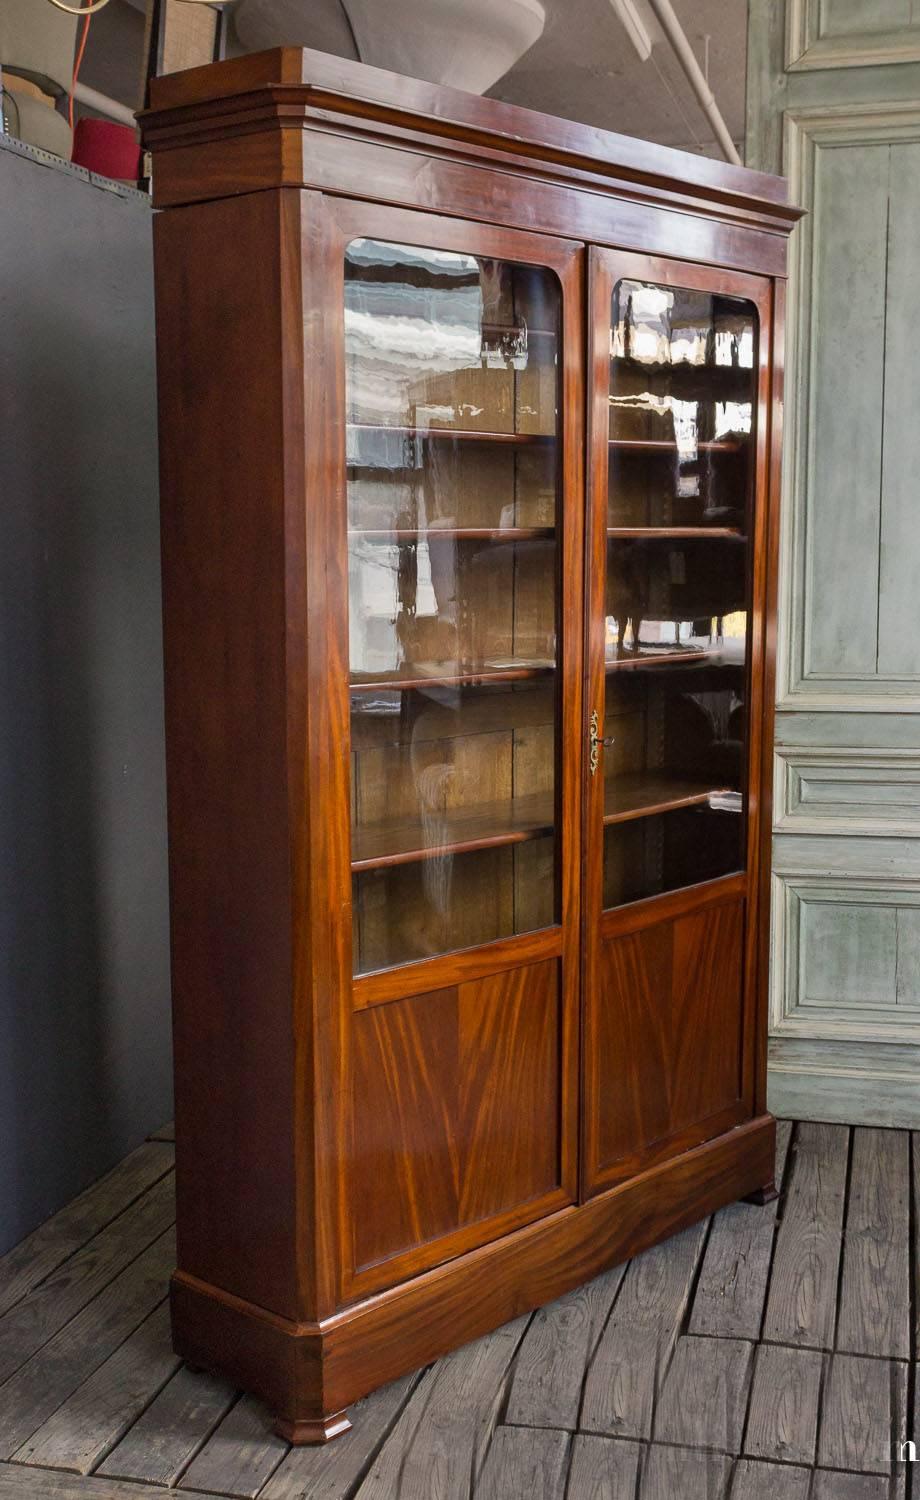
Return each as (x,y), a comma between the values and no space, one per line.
(456,1109)
(557,1349)
(782,1419)
(603,1469)
(874,1315)
(845,409)
(802,1304)
(704,1396)
(524,1461)
(636,1344)
(732,1287)
(667,1034)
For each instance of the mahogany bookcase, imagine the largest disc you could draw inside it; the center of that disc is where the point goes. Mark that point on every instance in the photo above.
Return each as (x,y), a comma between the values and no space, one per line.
(470,436)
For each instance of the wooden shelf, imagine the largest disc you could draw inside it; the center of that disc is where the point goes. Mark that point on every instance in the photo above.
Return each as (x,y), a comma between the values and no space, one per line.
(463,435)
(455,533)
(625,533)
(661,658)
(516,820)
(668,445)
(645,793)
(420,675)
(399,841)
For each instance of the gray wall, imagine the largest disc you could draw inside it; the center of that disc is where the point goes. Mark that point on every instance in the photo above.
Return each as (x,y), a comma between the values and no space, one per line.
(84,980)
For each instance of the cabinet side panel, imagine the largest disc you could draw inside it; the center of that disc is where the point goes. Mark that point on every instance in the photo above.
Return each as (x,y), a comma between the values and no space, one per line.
(221,366)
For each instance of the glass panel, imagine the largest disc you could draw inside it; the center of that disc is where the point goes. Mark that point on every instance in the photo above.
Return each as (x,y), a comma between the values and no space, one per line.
(452,404)
(683,380)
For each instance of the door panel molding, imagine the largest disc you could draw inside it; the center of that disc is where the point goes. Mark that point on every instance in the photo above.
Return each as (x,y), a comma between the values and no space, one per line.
(811,134)
(813,45)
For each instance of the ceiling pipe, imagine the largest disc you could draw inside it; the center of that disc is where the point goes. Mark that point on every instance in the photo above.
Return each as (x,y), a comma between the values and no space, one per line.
(686,56)
(103,105)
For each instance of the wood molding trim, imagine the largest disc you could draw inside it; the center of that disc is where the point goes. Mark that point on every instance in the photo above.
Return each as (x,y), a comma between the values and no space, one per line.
(807,49)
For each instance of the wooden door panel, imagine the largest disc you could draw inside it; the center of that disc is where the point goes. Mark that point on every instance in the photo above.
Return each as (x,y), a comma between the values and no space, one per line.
(666,1062)
(456,1132)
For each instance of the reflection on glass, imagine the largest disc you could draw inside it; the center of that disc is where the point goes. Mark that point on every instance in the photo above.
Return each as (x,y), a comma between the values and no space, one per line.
(682,402)
(452,404)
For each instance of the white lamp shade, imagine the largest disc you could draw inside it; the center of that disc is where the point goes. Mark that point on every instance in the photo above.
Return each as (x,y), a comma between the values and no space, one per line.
(468,44)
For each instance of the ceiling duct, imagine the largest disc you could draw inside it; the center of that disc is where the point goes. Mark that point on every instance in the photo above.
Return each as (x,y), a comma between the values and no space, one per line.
(468,44)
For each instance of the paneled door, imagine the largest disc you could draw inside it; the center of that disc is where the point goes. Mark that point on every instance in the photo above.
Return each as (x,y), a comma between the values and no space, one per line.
(461,442)
(677,443)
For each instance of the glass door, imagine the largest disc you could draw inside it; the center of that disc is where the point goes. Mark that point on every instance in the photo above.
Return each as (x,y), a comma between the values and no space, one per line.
(677,355)
(461,452)
(453,409)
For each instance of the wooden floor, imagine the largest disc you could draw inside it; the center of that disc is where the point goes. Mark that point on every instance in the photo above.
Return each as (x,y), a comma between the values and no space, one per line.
(763,1355)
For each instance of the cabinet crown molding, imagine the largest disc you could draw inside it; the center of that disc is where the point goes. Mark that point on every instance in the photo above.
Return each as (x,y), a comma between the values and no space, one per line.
(292,89)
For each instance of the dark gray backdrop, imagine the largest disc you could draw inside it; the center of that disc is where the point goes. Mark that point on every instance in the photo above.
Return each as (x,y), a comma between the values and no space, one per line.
(84,981)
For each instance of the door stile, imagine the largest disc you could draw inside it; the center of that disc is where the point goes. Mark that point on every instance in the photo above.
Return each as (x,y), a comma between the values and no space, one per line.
(600,285)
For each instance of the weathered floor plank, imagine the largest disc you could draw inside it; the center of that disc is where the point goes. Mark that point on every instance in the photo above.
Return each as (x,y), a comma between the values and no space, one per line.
(91,1421)
(861,1400)
(524,1463)
(671,1392)
(52,1375)
(603,1468)
(684,1472)
(802,1302)
(636,1344)
(732,1287)
(60,1237)
(241,1454)
(875,1288)
(447,1450)
(783,1413)
(551,1363)
(38,1316)
(829,1486)
(165,1439)
(330,1472)
(704,1394)
(382,1479)
(755,1480)
(165,1133)
(18,1483)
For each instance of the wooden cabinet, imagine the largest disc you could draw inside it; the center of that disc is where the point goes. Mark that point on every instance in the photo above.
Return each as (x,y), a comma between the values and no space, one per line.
(470,436)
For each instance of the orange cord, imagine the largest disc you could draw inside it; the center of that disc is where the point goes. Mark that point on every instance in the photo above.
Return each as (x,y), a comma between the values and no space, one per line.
(77,61)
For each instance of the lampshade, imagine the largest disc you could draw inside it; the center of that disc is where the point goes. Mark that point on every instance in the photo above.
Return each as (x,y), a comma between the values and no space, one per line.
(469,44)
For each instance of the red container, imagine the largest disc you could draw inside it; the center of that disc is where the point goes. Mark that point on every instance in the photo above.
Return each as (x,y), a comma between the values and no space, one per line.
(109,149)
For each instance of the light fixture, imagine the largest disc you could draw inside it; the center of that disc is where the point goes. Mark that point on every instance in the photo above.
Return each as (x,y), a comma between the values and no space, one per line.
(634,26)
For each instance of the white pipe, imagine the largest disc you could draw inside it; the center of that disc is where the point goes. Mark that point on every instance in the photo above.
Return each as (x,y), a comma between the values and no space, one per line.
(103,105)
(686,56)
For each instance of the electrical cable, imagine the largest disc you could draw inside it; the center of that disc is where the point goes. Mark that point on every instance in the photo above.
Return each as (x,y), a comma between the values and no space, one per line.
(87,16)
